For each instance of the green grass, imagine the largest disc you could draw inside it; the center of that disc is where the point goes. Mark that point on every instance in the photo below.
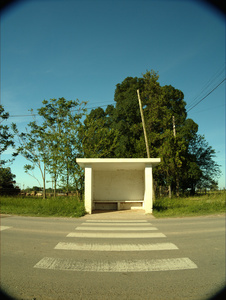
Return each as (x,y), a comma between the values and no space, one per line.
(191,206)
(33,206)
(71,207)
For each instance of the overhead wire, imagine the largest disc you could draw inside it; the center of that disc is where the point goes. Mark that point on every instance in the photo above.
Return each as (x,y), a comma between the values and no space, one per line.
(206,95)
(189,107)
(208,88)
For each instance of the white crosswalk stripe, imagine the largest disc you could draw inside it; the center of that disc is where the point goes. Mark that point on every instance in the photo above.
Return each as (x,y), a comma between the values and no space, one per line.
(120,235)
(115,247)
(108,224)
(108,232)
(116,266)
(114,228)
(117,221)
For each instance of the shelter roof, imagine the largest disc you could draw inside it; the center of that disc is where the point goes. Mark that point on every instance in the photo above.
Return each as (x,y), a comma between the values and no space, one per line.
(118,163)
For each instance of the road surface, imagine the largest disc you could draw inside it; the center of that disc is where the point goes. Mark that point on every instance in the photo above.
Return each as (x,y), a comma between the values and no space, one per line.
(126,258)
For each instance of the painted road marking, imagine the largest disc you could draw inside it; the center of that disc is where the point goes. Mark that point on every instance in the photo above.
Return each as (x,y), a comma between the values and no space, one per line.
(114,230)
(127,228)
(116,224)
(115,247)
(116,266)
(4,227)
(116,235)
(115,221)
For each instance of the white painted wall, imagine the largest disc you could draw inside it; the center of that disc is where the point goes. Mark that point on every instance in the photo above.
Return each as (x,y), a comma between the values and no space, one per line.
(88,189)
(148,201)
(118,185)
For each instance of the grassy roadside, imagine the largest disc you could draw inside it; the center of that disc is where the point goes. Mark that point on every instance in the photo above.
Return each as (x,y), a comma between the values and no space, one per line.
(33,206)
(213,203)
(71,207)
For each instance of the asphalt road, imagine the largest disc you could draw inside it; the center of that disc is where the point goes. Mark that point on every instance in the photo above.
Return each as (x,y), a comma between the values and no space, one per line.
(129,258)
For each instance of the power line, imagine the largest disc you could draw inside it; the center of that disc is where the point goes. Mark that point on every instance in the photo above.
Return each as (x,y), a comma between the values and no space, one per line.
(207,95)
(191,106)
(206,86)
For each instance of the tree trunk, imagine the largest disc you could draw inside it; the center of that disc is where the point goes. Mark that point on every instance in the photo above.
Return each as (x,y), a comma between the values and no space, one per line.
(177,187)
(67,179)
(44,182)
(55,180)
(170,192)
(160,191)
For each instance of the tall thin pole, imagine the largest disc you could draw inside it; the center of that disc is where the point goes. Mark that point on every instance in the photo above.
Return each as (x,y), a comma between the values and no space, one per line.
(146,140)
(143,123)
(174,127)
(177,178)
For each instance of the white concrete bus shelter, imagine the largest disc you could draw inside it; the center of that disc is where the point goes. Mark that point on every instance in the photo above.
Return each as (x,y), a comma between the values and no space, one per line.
(118,183)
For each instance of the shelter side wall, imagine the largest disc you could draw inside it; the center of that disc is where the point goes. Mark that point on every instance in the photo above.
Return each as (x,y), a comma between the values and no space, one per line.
(88,189)
(118,185)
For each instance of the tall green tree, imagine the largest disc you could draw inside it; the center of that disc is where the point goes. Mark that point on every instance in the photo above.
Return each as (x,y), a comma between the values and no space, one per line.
(181,168)
(127,120)
(160,104)
(98,138)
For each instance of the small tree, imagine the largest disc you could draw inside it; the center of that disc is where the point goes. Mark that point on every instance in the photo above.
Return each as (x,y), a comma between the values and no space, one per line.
(61,125)
(6,138)
(33,147)
(7,182)
(54,145)
(202,156)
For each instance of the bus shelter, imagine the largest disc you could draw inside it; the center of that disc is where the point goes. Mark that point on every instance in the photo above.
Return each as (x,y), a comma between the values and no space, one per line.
(118,183)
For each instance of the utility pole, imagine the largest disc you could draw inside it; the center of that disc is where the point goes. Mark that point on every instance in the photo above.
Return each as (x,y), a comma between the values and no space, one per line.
(177,179)
(174,127)
(143,123)
(146,140)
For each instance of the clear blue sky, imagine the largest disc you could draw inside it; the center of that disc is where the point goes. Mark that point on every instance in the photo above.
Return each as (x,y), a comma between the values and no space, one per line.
(82,49)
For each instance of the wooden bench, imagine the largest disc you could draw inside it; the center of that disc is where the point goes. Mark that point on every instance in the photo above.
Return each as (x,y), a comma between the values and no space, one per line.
(118,202)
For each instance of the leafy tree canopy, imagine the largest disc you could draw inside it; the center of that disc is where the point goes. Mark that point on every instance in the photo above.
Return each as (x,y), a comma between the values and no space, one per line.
(187,161)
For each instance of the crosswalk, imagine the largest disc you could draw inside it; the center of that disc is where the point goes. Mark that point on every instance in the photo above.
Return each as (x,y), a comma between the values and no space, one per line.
(129,238)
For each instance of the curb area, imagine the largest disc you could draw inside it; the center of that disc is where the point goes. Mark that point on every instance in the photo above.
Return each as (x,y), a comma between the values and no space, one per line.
(133,214)
(5,215)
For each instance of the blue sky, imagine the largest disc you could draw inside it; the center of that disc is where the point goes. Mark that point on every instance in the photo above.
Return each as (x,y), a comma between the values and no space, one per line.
(82,49)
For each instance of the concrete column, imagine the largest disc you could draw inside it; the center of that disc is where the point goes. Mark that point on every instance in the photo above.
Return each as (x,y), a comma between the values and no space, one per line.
(88,189)
(148,204)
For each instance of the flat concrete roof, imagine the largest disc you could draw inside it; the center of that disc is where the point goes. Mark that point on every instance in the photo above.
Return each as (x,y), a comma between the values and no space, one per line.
(117,163)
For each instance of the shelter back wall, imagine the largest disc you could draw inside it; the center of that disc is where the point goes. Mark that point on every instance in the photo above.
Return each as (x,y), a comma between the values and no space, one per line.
(118,185)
